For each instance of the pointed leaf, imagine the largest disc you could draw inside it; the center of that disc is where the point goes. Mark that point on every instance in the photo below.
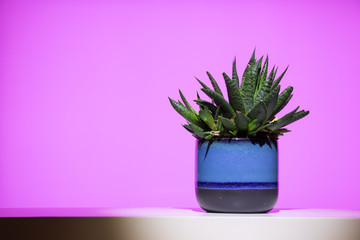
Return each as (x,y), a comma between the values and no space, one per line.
(195,129)
(258,112)
(241,121)
(298,116)
(214,83)
(220,101)
(246,82)
(217,113)
(206,116)
(227,123)
(207,104)
(270,101)
(285,120)
(183,111)
(248,87)
(186,126)
(235,76)
(281,130)
(283,99)
(264,72)
(265,88)
(234,94)
(277,81)
(187,103)
(252,126)
(258,70)
(198,97)
(202,84)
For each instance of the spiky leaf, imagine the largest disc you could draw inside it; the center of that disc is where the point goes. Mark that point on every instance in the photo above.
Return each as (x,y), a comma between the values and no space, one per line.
(252,126)
(285,120)
(281,130)
(217,113)
(277,81)
(264,72)
(235,76)
(248,87)
(235,99)
(248,83)
(214,83)
(198,131)
(270,101)
(202,84)
(206,116)
(220,101)
(258,70)
(258,112)
(298,116)
(188,106)
(283,99)
(228,124)
(241,121)
(183,111)
(207,104)
(265,88)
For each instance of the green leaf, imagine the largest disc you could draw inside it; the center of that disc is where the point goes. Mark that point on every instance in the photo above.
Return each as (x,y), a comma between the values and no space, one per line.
(187,103)
(214,83)
(263,75)
(241,121)
(285,120)
(186,126)
(265,88)
(228,124)
(198,131)
(202,84)
(252,126)
(258,70)
(198,97)
(207,104)
(248,87)
(234,94)
(270,101)
(217,113)
(206,116)
(281,130)
(246,82)
(183,111)
(220,101)
(289,118)
(298,116)
(208,137)
(277,81)
(283,99)
(258,112)
(235,76)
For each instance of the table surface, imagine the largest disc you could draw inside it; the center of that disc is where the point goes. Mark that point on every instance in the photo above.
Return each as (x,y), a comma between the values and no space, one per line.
(172,212)
(177,224)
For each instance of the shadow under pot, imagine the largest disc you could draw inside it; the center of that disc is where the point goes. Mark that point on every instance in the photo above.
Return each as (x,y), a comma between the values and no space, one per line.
(237,175)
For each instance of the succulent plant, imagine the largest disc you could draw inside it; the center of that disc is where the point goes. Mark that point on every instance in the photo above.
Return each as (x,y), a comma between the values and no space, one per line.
(250,110)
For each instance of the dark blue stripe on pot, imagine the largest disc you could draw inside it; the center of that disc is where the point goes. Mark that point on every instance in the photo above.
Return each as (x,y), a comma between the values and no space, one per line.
(237,185)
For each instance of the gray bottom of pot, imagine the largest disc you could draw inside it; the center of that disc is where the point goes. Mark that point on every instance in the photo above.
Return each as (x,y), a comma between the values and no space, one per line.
(237,200)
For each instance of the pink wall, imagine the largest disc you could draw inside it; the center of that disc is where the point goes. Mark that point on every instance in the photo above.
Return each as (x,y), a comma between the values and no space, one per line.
(84,85)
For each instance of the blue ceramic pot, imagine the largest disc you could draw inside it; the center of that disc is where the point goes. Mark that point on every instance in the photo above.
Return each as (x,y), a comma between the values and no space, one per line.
(237,175)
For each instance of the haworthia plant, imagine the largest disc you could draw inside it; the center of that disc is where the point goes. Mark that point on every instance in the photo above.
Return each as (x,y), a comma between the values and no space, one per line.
(249,111)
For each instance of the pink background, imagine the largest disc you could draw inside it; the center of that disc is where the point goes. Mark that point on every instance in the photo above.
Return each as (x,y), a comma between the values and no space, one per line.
(84,115)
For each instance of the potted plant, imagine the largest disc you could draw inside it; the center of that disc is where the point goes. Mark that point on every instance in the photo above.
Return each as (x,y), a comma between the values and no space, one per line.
(237,157)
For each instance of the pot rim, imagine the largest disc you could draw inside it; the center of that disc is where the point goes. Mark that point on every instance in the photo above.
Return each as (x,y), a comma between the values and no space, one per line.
(226,139)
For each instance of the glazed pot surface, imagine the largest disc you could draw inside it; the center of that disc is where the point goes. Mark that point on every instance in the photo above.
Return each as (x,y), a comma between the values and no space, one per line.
(237,175)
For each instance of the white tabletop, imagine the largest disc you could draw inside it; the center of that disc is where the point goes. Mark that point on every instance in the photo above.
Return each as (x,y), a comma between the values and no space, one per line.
(289,224)
(194,223)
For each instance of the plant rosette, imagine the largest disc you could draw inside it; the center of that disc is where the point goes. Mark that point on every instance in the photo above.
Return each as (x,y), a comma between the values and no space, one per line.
(237,157)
